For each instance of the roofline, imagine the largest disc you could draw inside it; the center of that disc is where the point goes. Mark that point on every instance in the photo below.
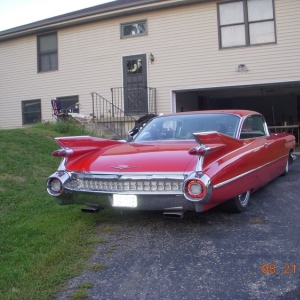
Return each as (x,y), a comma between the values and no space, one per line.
(91,14)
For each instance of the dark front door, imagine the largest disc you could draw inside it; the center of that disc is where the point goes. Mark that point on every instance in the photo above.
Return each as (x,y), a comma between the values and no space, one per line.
(135,84)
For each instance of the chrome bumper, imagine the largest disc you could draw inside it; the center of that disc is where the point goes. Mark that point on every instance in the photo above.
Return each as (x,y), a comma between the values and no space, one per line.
(153,192)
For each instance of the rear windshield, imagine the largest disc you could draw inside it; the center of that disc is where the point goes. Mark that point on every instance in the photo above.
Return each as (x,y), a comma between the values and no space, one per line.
(182,126)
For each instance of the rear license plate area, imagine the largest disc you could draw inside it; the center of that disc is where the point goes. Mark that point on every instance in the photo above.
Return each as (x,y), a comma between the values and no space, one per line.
(124,200)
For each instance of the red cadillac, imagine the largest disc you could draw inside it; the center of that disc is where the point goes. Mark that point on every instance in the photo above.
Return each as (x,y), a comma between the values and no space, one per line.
(175,163)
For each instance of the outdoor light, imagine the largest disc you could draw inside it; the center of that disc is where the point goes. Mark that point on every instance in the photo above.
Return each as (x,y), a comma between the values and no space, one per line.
(241,68)
(151,57)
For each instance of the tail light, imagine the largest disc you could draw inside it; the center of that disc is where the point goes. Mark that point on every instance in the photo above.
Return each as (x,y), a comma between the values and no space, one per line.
(200,151)
(195,189)
(54,186)
(62,152)
(56,183)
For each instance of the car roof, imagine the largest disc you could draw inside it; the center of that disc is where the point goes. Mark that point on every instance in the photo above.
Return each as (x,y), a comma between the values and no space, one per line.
(237,112)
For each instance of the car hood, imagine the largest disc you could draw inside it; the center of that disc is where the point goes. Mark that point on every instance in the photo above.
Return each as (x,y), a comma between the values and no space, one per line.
(136,158)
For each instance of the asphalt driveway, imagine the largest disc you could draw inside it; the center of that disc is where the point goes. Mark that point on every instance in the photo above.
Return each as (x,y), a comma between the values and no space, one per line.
(212,255)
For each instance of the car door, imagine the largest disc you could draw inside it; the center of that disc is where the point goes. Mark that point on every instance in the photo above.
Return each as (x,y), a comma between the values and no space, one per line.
(254,130)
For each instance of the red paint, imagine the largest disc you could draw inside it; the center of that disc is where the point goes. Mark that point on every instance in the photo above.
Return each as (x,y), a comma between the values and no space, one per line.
(251,163)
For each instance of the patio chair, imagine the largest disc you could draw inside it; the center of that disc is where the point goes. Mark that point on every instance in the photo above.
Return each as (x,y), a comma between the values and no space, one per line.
(57,111)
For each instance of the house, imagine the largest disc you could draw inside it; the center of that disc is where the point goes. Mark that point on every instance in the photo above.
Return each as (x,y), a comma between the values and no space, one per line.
(155,56)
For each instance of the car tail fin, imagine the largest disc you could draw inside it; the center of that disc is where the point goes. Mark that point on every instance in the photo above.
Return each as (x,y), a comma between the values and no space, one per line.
(80,145)
(214,141)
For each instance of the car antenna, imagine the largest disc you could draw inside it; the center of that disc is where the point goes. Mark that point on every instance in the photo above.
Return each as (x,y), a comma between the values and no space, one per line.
(274,118)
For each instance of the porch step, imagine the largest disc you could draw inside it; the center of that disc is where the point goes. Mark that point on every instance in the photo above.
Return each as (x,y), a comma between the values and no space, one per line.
(107,133)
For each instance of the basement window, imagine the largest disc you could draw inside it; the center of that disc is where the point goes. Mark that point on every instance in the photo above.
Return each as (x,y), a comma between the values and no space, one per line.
(31,111)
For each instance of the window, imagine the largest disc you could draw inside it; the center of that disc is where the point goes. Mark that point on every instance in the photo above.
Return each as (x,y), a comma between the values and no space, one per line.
(31,111)
(246,22)
(69,104)
(253,126)
(133,29)
(182,127)
(47,52)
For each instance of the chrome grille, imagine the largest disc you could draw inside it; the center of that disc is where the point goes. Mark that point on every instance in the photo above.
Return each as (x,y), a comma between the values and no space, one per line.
(173,186)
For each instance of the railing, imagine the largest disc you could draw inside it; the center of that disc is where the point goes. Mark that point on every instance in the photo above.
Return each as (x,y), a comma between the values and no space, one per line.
(148,106)
(111,116)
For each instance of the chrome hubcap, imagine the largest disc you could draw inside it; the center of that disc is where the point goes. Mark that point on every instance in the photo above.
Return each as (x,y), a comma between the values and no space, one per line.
(244,198)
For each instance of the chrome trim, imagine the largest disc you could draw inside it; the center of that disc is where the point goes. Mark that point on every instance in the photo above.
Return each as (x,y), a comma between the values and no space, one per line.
(64,177)
(62,164)
(125,184)
(246,173)
(177,208)
(199,165)
(200,160)
(154,176)
(207,182)
(71,137)
(128,175)
(123,167)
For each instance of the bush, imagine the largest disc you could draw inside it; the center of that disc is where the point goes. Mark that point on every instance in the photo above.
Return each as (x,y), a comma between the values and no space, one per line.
(69,127)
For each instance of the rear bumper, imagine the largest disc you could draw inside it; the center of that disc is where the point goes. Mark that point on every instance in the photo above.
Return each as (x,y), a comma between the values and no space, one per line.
(144,202)
(166,193)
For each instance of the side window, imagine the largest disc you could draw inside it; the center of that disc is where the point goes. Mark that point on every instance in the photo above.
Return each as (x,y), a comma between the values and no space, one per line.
(134,29)
(31,111)
(47,52)
(253,126)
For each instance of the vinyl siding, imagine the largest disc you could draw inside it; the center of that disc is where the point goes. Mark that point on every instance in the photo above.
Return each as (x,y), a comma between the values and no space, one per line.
(183,40)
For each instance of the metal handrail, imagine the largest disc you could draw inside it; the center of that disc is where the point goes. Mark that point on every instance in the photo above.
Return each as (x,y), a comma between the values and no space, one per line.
(117,95)
(111,116)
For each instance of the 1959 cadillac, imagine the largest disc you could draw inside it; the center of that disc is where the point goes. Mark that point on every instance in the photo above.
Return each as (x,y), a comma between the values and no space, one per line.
(175,163)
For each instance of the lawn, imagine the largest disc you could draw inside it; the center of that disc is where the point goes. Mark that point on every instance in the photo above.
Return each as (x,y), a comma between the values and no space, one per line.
(42,244)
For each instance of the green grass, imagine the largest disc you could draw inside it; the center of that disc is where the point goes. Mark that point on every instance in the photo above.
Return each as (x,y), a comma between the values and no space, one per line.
(42,244)
(82,291)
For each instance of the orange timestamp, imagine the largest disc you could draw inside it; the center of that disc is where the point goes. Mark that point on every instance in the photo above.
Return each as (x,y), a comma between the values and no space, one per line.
(273,269)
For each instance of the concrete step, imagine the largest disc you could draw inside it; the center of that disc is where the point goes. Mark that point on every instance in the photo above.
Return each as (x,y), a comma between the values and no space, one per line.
(103,132)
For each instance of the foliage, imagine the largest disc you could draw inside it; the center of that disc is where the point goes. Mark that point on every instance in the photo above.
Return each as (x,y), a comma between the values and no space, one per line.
(41,243)
(66,128)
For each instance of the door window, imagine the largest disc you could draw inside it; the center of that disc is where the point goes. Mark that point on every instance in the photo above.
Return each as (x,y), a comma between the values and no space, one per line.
(253,126)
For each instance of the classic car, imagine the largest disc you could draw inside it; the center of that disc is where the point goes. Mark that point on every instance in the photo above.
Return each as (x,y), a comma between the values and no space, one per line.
(175,163)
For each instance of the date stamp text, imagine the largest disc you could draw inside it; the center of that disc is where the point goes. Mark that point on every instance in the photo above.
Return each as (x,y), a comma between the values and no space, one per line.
(275,269)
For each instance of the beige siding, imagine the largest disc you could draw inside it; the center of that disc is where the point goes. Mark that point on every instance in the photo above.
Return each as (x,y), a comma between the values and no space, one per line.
(183,40)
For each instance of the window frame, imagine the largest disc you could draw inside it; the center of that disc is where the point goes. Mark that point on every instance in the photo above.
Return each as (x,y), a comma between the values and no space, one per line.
(122,25)
(246,23)
(67,107)
(249,131)
(40,54)
(23,104)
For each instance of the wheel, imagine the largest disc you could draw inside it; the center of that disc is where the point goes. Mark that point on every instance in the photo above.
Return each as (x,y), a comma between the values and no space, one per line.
(237,204)
(286,169)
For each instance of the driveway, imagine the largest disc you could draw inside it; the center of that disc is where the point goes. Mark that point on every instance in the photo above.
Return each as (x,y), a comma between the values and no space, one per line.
(212,255)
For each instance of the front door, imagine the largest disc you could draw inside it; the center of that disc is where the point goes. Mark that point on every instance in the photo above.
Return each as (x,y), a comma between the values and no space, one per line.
(135,84)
